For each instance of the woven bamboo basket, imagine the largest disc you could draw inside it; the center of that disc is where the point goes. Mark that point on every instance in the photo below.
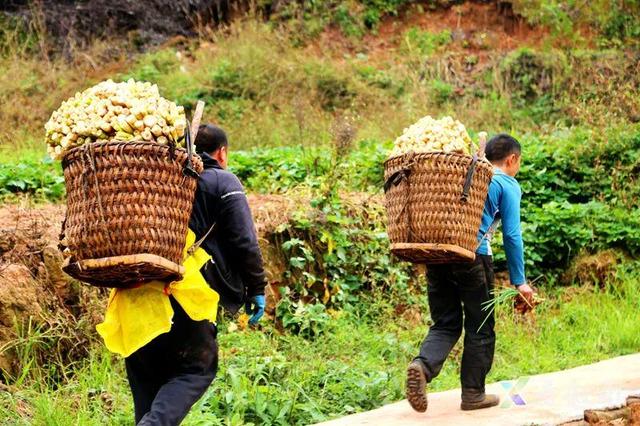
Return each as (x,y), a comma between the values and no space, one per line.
(434,205)
(128,208)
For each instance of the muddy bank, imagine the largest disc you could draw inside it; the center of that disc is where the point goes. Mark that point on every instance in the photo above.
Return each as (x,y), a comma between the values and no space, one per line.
(70,25)
(35,293)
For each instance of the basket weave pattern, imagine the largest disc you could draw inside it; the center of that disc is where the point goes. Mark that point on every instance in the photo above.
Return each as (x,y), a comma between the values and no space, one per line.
(426,206)
(127,198)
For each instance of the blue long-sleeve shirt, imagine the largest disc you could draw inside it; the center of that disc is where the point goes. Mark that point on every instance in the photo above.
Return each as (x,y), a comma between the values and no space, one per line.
(503,203)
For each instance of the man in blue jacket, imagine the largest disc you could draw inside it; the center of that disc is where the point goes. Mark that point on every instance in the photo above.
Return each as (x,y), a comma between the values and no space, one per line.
(170,374)
(457,292)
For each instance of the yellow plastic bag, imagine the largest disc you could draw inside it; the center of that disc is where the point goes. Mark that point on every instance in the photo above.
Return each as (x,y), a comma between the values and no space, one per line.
(136,316)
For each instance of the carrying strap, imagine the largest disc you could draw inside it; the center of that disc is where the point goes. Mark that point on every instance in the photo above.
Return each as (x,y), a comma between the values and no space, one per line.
(464,197)
(188,169)
(396,179)
(403,173)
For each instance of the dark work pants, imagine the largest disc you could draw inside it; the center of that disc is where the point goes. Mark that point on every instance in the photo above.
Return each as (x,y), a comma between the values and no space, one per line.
(456,296)
(173,371)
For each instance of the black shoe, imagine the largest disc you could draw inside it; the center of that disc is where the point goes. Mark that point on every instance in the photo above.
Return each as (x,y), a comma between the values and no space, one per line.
(416,390)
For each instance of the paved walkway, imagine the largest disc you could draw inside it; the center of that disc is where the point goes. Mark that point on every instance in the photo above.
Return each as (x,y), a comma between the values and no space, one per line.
(550,399)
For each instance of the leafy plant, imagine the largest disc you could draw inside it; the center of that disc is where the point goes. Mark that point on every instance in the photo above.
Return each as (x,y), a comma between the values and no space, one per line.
(306,320)
(41,178)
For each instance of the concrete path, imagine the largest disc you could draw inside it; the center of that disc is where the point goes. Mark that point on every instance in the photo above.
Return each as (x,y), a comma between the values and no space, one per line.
(548,399)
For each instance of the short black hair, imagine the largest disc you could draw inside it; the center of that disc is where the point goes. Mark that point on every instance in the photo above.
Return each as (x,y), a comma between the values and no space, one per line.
(210,138)
(501,146)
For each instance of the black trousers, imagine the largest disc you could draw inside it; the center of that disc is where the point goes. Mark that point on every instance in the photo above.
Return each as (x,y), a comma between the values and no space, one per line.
(456,296)
(173,371)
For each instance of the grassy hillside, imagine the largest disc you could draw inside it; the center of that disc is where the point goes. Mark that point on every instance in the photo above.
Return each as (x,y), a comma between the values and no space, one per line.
(468,60)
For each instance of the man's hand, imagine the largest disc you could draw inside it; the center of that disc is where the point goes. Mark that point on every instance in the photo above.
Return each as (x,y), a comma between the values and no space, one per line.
(526,292)
(255,307)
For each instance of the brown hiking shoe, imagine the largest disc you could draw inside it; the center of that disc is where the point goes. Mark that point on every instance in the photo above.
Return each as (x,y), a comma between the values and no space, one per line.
(416,390)
(473,399)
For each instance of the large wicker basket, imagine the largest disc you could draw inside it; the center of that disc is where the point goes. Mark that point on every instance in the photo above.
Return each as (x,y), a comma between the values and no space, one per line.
(434,205)
(128,208)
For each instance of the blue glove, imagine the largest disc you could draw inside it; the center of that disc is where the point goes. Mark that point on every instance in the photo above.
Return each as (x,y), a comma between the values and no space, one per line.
(255,307)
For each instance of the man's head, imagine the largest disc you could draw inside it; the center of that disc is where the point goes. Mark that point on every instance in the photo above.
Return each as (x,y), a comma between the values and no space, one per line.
(504,152)
(213,141)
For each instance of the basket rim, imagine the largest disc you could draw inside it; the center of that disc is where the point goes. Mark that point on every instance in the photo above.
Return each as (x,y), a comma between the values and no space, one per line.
(433,153)
(66,158)
(425,247)
(79,268)
(129,259)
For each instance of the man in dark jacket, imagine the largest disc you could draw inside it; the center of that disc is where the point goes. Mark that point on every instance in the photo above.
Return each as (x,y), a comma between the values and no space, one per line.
(236,271)
(168,375)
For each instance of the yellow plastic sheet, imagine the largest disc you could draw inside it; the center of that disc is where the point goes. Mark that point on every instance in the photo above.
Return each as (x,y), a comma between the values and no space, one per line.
(136,316)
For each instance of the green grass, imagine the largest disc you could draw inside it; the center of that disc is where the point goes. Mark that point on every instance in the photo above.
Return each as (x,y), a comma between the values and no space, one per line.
(357,364)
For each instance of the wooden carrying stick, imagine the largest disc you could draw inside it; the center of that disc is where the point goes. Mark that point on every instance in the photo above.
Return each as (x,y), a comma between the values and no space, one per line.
(483,144)
(195,122)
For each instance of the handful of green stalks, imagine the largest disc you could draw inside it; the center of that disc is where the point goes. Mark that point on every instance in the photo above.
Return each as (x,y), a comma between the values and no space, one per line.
(110,111)
(513,297)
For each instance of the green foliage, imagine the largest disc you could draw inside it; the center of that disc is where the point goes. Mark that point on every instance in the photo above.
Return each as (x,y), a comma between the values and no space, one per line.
(226,81)
(551,13)
(582,165)
(305,320)
(381,79)
(335,252)
(272,170)
(529,75)
(556,232)
(269,377)
(615,22)
(354,18)
(425,43)
(16,38)
(337,247)
(347,22)
(621,25)
(334,92)
(153,66)
(39,178)
(280,169)
(441,91)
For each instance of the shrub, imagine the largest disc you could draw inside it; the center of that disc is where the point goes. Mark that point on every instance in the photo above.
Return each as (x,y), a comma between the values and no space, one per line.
(528,75)
(424,42)
(441,91)
(333,92)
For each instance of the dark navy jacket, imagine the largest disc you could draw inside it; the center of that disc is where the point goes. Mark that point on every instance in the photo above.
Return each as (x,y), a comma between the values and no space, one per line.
(236,271)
